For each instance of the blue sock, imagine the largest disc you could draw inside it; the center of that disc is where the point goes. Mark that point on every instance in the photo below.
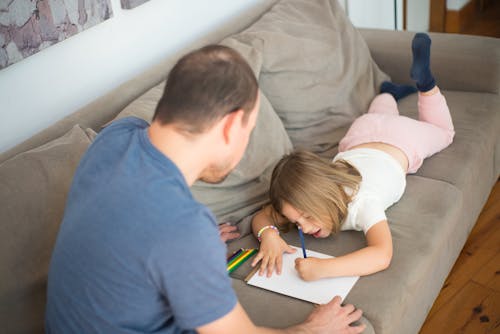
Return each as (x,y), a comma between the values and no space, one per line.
(420,69)
(397,91)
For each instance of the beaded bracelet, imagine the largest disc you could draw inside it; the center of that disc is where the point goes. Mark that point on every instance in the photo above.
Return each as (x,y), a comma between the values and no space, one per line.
(259,234)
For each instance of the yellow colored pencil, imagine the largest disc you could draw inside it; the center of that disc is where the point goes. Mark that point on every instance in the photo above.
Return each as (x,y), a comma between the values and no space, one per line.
(239,259)
(245,256)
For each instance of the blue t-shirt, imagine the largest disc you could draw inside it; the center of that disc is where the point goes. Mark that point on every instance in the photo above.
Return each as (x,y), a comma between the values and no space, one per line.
(136,253)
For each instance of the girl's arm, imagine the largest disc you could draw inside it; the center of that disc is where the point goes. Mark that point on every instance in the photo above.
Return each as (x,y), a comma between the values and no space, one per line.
(272,245)
(376,256)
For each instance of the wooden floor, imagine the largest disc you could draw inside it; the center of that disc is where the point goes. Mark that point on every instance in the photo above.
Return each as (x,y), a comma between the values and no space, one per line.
(469,302)
(487,21)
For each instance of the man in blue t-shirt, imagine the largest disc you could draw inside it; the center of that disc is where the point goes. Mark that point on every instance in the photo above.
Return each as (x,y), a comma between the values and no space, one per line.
(136,253)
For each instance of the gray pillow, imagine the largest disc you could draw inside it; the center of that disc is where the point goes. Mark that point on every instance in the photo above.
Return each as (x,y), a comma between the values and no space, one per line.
(33,190)
(245,189)
(144,106)
(314,67)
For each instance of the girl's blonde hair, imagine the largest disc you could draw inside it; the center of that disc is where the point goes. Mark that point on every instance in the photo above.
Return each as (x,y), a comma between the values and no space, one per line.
(313,185)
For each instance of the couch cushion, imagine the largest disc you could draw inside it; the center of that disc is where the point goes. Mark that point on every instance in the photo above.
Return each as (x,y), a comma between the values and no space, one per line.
(429,225)
(245,189)
(33,189)
(144,106)
(270,309)
(315,69)
(424,225)
(468,163)
(476,118)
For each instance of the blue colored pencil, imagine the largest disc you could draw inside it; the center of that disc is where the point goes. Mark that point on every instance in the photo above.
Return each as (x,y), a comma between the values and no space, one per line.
(302,243)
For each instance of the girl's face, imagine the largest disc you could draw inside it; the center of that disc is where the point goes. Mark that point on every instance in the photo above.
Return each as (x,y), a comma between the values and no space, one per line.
(309,224)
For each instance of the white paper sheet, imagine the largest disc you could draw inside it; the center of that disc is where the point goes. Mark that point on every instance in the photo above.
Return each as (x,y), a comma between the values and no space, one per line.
(289,283)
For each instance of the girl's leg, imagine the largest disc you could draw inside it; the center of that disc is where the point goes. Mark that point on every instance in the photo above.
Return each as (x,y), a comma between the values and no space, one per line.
(421,67)
(433,109)
(418,139)
(396,90)
(434,130)
(429,135)
(384,104)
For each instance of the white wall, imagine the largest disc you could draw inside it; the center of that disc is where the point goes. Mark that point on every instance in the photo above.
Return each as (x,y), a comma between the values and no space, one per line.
(375,14)
(456,4)
(418,15)
(380,14)
(55,82)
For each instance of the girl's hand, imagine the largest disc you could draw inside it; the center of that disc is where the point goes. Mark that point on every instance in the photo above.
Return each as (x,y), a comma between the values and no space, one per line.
(271,254)
(309,269)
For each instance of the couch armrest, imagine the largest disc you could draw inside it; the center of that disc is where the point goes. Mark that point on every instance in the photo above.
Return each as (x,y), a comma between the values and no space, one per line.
(458,62)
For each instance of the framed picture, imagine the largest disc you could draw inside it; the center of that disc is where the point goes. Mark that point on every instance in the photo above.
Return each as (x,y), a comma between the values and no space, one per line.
(28,26)
(129,4)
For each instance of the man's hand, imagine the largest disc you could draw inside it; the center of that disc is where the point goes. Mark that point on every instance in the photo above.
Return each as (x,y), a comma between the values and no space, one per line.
(331,318)
(334,318)
(228,232)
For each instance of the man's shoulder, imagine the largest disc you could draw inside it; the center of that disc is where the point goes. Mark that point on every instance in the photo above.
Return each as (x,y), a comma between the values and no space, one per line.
(111,139)
(126,123)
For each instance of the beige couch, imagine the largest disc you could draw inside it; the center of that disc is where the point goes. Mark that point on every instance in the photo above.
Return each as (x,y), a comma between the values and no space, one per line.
(308,102)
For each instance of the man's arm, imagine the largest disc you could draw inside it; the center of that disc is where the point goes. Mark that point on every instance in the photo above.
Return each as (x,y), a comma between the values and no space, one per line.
(329,318)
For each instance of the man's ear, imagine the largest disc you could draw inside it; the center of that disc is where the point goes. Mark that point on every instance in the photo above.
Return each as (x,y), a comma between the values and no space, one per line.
(233,122)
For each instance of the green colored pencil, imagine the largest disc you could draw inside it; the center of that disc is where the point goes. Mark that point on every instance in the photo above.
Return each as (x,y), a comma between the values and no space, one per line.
(242,260)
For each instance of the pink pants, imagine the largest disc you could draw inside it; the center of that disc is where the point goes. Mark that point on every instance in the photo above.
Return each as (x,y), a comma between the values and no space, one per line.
(417,139)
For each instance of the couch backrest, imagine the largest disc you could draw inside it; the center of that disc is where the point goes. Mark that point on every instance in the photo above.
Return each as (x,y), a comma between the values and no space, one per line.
(33,190)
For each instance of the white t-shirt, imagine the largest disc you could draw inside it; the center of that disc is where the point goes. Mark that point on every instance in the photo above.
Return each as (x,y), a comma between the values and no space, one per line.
(383,183)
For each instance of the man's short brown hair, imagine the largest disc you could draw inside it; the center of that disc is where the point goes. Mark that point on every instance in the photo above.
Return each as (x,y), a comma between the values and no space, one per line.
(204,86)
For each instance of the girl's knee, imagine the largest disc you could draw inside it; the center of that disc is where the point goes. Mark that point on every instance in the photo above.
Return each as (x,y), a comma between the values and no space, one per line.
(384,104)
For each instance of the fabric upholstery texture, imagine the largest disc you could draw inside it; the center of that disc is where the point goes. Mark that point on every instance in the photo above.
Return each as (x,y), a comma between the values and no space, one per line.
(284,313)
(245,189)
(315,68)
(144,106)
(316,102)
(476,118)
(33,190)
(420,240)
(429,225)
